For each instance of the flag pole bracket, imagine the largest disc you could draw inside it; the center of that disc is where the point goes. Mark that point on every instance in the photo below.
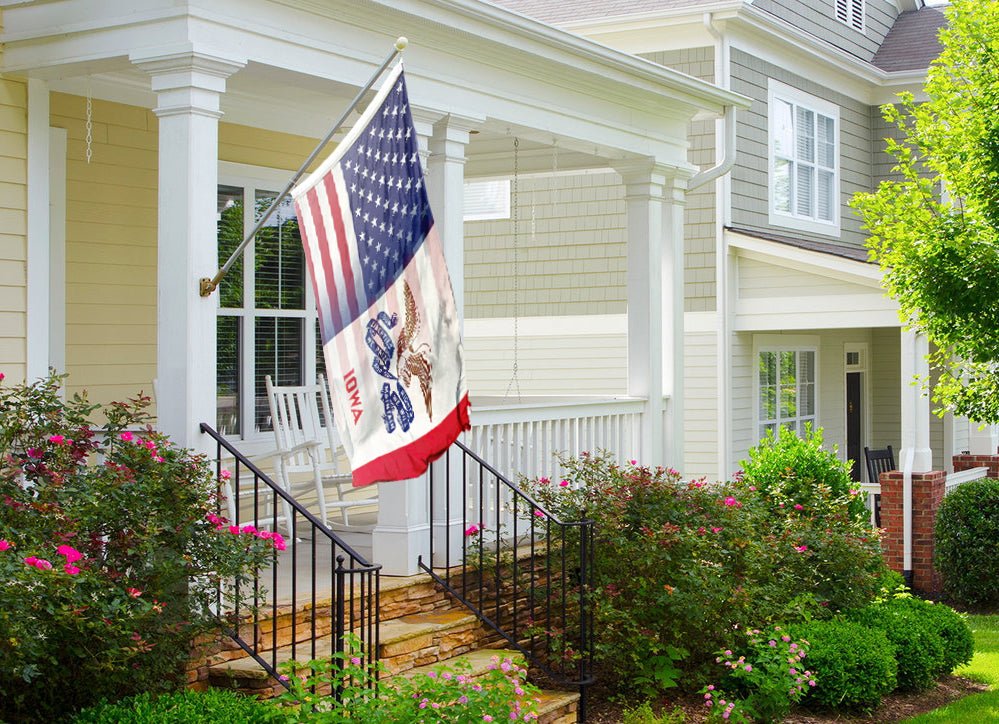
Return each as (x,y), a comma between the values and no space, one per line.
(208,285)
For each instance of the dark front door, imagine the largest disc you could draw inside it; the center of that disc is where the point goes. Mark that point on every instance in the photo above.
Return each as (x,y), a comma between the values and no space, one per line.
(853,432)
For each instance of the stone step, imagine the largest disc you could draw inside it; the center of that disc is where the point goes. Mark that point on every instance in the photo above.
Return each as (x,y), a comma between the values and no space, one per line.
(558,707)
(480,661)
(405,643)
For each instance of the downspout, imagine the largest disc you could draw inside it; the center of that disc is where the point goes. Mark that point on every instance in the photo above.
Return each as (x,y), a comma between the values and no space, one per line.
(725,138)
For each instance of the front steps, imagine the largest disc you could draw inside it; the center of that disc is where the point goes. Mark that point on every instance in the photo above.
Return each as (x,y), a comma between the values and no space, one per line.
(421,628)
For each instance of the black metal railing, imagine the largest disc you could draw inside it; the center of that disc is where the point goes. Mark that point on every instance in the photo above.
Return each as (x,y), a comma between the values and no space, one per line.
(314,592)
(520,569)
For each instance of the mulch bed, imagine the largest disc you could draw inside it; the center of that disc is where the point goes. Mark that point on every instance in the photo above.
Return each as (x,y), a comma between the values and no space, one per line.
(895,707)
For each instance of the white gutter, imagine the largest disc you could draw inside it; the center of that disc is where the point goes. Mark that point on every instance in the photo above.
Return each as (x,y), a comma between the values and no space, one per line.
(728,159)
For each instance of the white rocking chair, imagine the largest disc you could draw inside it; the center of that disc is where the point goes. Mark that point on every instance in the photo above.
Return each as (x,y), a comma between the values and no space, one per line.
(305,446)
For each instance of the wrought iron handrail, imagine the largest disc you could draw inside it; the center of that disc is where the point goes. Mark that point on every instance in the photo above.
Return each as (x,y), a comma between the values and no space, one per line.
(353,602)
(522,571)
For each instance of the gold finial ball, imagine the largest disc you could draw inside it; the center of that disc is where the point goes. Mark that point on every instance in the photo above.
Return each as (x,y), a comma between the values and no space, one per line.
(401,42)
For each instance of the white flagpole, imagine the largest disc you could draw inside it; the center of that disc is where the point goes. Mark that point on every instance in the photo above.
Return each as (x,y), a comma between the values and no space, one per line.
(206,285)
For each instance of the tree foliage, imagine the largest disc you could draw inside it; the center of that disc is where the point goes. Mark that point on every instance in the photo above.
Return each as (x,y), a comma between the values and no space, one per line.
(935,227)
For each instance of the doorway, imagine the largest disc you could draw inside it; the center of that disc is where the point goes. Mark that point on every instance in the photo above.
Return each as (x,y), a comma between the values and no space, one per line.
(854,421)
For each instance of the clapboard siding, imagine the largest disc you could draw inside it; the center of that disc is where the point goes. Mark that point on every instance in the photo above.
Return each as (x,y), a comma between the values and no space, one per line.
(750,189)
(111,213)
(556,364)
(13,222)
(700,417)
(818,18)
(760,280)
(886,388)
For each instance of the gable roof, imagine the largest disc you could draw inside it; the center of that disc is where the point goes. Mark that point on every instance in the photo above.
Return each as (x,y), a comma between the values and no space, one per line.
(845,251)
(912,42)
(560,11)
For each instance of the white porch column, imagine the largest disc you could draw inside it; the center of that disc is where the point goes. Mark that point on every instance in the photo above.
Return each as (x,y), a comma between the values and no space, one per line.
(446,188)
(38,354)
(402,534)
(654,194)
(915,454)
(188,86)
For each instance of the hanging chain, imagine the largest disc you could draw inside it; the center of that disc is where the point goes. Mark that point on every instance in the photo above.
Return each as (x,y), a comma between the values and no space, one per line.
(514,379)
(90,123)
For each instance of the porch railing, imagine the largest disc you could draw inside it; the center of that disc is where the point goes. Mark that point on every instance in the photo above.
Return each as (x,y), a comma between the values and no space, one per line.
(520,569)
(522,438)
(317,571)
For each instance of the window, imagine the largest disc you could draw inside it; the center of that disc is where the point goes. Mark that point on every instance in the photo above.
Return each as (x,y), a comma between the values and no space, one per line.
(786,389)
(804,161)
(265,308)
(851,12)
(486,200)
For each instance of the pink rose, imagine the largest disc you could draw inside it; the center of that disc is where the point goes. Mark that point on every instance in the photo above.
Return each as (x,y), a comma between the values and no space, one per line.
(133,592)
(71,569)
(126,436)
(563,483)
(4,545)
(71,554)
(56,439)
(472,529)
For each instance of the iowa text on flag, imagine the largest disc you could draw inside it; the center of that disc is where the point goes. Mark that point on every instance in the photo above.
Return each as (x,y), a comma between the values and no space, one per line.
(389,326)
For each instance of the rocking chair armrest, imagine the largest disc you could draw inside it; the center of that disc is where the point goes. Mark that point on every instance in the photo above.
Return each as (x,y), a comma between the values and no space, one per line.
(307,446)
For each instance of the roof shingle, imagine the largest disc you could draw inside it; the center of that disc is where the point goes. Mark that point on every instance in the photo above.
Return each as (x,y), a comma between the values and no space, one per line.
(912,42)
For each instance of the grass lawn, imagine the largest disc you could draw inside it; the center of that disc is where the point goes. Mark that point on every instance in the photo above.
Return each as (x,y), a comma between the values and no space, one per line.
(984,668)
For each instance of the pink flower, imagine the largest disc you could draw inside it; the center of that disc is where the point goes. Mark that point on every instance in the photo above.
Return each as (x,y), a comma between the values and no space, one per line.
(278,541)
(34,452)
(749,667)
(801,549)
(563,483)
(56,439)
(799,506)
(752,488)
(30,560)
(225,474)
(126,436)
(71,569)
(472,529)
(715,529)
(234,529)
(39,563)
(133,592)
(632,462)
(2,375)
(157,458)
(71,554)
(730,501)
(486,717)
(355,660)
(4,545)
(544,480)
(248,529)
(539,513)
(264,534)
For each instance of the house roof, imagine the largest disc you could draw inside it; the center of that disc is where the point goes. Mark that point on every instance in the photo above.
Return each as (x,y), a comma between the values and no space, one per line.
(560,11)
(845,251)
(912,42)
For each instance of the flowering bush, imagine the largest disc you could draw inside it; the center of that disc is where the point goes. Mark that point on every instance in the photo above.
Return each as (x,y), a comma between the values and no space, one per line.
(966,541)
(679,565)
(110,553)
(763,683)
(447,694)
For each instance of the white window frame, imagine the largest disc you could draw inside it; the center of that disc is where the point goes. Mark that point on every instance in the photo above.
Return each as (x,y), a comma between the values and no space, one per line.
(852,13)
(791,219)
(252,179)
(783,343)
(499,191)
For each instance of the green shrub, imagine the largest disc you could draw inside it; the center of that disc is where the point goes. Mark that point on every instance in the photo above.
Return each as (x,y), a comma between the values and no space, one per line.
(953,630)
(109,556)
(854,665)
(967,543)
(919,648)
(214,706)
(789,470)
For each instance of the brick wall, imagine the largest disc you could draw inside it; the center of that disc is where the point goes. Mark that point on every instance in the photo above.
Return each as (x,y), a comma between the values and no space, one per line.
(966,462)
(927,493)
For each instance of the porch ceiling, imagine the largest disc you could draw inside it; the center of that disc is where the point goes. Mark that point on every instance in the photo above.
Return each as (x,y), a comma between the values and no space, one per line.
(305,59)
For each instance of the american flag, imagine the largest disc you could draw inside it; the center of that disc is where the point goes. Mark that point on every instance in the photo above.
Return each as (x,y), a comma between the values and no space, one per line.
(390,330)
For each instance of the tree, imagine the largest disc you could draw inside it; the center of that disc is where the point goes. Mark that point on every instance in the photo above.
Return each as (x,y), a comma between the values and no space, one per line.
(935,228)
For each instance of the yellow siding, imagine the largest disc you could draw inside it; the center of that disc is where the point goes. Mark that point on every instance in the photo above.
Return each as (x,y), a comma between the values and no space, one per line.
(13,222)
(110,247)
(700,415)
(759,280)
(111,216)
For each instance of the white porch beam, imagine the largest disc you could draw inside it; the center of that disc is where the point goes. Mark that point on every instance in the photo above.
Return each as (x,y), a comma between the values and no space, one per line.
(188,86)
(654,195)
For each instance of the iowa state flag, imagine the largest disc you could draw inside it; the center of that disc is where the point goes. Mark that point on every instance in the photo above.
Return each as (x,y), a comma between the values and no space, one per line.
(389,325)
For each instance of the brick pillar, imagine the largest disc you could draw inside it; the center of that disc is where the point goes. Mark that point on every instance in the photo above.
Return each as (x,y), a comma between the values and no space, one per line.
(927,493)
(966,462)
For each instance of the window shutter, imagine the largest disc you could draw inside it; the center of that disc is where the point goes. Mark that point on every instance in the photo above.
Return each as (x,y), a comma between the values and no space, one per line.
(843,11)
(857,14)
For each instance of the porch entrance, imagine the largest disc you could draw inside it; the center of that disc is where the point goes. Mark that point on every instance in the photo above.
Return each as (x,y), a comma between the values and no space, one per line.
(854,424)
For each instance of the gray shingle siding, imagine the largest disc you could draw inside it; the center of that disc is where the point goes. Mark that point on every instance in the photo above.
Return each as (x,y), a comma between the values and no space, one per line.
(818,18)
(750,188)
(700,211)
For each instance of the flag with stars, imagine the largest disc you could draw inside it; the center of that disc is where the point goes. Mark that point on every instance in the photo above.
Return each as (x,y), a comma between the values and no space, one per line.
(390,329)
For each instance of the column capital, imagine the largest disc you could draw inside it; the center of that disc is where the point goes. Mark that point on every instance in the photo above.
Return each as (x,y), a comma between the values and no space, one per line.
(649,178)
(186,80)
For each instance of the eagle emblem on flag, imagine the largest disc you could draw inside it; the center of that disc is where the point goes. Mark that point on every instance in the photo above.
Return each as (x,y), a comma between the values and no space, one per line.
(387,317)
